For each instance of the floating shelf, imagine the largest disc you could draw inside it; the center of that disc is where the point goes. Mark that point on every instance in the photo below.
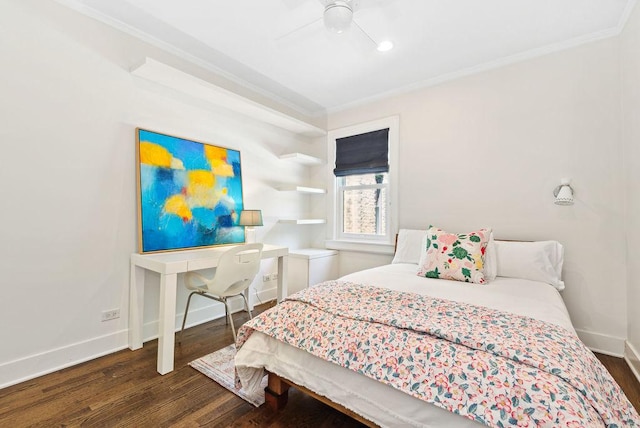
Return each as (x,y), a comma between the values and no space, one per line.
(303,221)
(302,158)
(193,86)
(301,189)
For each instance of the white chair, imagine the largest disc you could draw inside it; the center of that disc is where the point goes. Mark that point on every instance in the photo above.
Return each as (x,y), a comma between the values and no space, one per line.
(237,267)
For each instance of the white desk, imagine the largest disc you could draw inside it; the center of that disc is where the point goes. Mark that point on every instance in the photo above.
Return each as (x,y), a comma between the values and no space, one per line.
(169,265)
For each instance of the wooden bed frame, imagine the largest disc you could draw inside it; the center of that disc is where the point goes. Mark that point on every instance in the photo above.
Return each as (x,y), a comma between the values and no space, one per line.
(276,395)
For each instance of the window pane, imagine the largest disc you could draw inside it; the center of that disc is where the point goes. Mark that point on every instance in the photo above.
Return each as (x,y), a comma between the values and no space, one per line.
(357,180)
(364,211)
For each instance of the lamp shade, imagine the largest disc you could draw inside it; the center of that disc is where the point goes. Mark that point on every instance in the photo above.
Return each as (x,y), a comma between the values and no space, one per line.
(565,195)
(250,218)
(338,16)
(564,192)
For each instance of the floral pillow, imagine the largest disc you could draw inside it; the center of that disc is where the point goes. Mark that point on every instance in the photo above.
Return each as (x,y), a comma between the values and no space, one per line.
(459,257)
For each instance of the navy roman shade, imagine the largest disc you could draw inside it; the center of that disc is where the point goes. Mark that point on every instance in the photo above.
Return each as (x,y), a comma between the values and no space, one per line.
(362,154)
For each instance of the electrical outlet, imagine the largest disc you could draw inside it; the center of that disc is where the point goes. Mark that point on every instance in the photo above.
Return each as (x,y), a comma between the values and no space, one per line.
(110,315)
(266,278)
(274,276)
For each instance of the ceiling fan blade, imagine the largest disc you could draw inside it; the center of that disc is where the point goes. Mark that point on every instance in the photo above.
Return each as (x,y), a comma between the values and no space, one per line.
(302,29)
(309,29)
(366,35)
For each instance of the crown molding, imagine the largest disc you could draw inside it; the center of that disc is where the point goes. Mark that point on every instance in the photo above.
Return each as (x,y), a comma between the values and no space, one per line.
(79,6)
(491,65)
(119,25)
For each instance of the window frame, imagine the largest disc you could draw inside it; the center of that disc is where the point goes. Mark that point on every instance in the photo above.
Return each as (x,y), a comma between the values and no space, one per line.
(337,239)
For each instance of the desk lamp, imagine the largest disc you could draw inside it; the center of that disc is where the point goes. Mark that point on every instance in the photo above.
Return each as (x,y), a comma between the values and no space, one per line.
(249,219)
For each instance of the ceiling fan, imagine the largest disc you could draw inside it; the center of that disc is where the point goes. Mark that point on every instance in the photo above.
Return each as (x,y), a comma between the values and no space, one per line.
(338,15)
(338,18)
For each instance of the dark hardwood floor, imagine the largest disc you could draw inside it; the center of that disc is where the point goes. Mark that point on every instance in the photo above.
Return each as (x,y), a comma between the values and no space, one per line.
(124,389)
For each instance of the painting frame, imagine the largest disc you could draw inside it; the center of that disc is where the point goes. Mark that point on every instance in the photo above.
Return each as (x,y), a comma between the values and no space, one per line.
(189,193)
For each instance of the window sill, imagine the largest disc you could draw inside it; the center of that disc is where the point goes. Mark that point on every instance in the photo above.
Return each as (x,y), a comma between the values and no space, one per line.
(361,246)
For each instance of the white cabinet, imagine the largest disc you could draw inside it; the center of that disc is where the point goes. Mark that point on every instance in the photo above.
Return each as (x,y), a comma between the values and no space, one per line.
(310,266)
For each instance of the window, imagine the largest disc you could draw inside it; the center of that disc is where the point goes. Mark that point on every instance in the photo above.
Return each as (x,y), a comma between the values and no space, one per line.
(362,201)
(364,191)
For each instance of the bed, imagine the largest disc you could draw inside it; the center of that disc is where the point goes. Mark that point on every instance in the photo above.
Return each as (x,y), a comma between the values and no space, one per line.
(381,398)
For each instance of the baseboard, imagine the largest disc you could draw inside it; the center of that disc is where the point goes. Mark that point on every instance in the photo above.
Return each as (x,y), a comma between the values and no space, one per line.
(632,357)
(265,296)
(198,316)
(33,366)
(602,343)
(210,312)
(37,365)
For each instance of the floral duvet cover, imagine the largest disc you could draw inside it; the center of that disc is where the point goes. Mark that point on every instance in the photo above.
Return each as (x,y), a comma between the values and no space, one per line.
(497,368)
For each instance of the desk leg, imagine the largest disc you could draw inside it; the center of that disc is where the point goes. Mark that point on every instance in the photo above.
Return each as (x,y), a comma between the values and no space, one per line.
(282,278)
(167,321)
(136,306)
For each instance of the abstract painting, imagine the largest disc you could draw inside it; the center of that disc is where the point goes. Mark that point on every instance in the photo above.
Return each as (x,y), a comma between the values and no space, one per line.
(189,193)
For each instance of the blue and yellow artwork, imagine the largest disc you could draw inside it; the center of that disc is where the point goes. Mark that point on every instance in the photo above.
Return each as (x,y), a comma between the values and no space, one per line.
(190,193)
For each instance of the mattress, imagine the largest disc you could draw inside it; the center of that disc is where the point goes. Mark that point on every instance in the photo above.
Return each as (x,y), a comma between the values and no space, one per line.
(371,399)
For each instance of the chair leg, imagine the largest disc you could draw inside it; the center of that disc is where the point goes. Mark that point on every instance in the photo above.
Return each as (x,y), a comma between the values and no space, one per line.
(246,305)
(233,329)
(184,319)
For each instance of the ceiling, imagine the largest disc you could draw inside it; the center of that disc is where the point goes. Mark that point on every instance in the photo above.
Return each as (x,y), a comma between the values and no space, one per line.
(281,48)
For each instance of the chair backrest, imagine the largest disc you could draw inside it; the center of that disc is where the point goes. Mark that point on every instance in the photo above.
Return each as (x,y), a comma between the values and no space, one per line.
(236,269)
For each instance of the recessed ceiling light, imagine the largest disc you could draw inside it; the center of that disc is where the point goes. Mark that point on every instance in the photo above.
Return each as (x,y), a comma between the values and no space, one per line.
(385,45)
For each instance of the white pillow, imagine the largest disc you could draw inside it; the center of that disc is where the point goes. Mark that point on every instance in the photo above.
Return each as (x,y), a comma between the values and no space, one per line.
(537,261)
(409,245)
(490,260)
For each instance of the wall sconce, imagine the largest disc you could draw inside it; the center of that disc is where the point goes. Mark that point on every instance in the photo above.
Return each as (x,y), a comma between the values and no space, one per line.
(564,192)
(250,219)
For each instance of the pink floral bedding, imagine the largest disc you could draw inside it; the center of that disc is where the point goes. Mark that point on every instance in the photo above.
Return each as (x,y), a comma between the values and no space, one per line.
(497,368)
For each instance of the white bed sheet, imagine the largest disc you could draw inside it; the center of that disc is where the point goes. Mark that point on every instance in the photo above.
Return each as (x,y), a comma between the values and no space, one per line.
(374,400)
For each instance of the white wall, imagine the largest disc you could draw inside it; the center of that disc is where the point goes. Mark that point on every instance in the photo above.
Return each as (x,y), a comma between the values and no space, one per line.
(69,108)
(488,150)
(631,138)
